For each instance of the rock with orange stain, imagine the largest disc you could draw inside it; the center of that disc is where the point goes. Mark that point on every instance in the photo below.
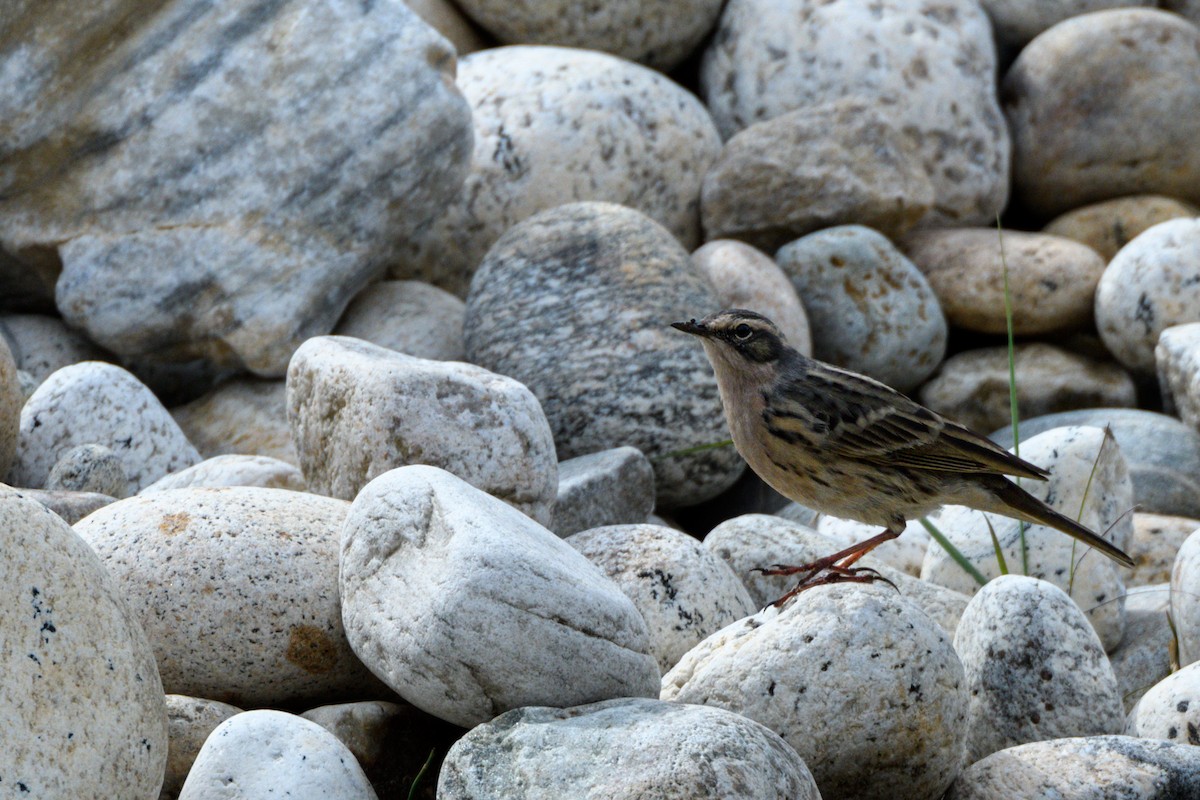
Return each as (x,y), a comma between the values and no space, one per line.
(237,590)
(871,310)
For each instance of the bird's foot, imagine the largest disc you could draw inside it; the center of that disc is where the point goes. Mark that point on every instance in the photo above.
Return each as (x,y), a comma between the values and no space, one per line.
(829,575)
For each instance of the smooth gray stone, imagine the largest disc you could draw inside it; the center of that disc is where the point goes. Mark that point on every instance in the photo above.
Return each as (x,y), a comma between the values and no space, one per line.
(612,487)
(274,155)
(1084,768)
(576,303)
(1163,454)
(1143,658)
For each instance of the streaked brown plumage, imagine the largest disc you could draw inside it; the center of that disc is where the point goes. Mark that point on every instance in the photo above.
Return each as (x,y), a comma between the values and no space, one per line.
(849,446)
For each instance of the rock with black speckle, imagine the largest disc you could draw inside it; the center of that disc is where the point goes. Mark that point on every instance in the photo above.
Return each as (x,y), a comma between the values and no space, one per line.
(870,308)
(684,591)
(237,591)
(577,303)
(1170,709)
(263,752)
(467,608)
(83,712)
(1155,543)
(611,487)
(89,468)
(1185,599)
(1109,225)
(628,747)
(232,470)
(94,402)
(1084,768)
(189,722)
(1035,668)
(358,410)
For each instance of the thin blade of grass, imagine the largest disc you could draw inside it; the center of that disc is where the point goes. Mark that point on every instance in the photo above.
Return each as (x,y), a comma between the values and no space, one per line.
(687,451)
(1000,560)
(1012,380)
(421,774)
(1079,517)
(954,552)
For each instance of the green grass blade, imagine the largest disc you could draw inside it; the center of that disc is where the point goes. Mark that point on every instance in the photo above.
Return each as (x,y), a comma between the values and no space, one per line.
(954,552)
(1000,560)
(412,790)
(1083,502)
(1012,380)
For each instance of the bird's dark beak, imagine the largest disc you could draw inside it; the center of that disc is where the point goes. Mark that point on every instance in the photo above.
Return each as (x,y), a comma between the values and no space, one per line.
(691,326)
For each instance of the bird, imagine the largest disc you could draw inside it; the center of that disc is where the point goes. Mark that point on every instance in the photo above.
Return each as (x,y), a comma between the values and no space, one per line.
(850,446)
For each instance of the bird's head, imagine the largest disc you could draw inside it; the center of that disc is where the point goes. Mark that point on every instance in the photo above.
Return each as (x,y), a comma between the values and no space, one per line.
(738,337)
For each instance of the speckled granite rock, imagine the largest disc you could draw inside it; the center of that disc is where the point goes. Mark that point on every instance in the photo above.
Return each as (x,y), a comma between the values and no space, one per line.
(1100,106)
(834,164)
(12,398)
(557,306)
(744,277)
(243,416)
(972,387)
(444,588)
(89,468)
(555,125)
(1185,600)
(932,75)
(1085,768)
(252,147)
(1109,225)
(71,506)
(358,410)
(189,722)
(1034,667)
(362,727)
(630,747)
(1170,709)
(1017,21)
(658,33)
(841,647)
(683,591)
(1144,656)
(1151,285)
(1051,280)
(1162,453)
(42,344)
(98,403)
(612,487)
(263,753)
(262,471)
(411,317)
(83,705)
(236,589)
(1156,540)
(1177,356)
(1089,480)
(870,308)
(757,540)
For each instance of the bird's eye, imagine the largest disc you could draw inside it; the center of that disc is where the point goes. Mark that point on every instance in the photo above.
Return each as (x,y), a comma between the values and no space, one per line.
(743,332)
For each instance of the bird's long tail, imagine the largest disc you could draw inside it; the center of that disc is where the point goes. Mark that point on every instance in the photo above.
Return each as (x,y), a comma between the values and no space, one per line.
(1025,506)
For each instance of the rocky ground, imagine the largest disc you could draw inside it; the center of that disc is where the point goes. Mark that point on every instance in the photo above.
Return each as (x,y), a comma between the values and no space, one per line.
(352,454)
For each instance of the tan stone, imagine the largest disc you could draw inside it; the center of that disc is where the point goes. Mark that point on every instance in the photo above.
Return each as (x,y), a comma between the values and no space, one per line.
(244,416)
(1156,541)
(1109,225)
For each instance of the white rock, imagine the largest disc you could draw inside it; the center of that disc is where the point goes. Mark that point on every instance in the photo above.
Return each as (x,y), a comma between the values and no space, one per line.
(243,416)
(358,410)
(1035,668)
(684,591)
(871,309)
(71,506)
(858,679)
(83,712)
(264,753)
(468,608)
(744,277)
(1084,768)
(1144,656)
(1087,471)
(1185,599)
(89,468)
(42,344)
(236,589)
(1149,286)
(98,403)
(189,722)
(231,470)
(931,74)
(1155,543)
(1177,356)
(411,317)
(611,487)
(668,751)
(556,125)
(1170,709)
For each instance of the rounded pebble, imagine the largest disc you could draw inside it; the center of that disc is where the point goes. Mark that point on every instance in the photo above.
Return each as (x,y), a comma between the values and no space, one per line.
(1018,21)
(870,308)
(411,317)
(230,470)
(243,416)
(1155,543)
(43,344)
(1177,356)
(189,722)
(89,468)
(558,306)
(1185,599)
(1170,709)
(363,727)
(1109,225)
(1144,656)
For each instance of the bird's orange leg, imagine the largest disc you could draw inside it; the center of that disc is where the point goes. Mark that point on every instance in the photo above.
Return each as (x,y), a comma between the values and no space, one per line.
(837,568)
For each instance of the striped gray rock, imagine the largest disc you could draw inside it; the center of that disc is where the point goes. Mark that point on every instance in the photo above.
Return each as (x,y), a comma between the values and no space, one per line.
(576,303)
(273,153)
